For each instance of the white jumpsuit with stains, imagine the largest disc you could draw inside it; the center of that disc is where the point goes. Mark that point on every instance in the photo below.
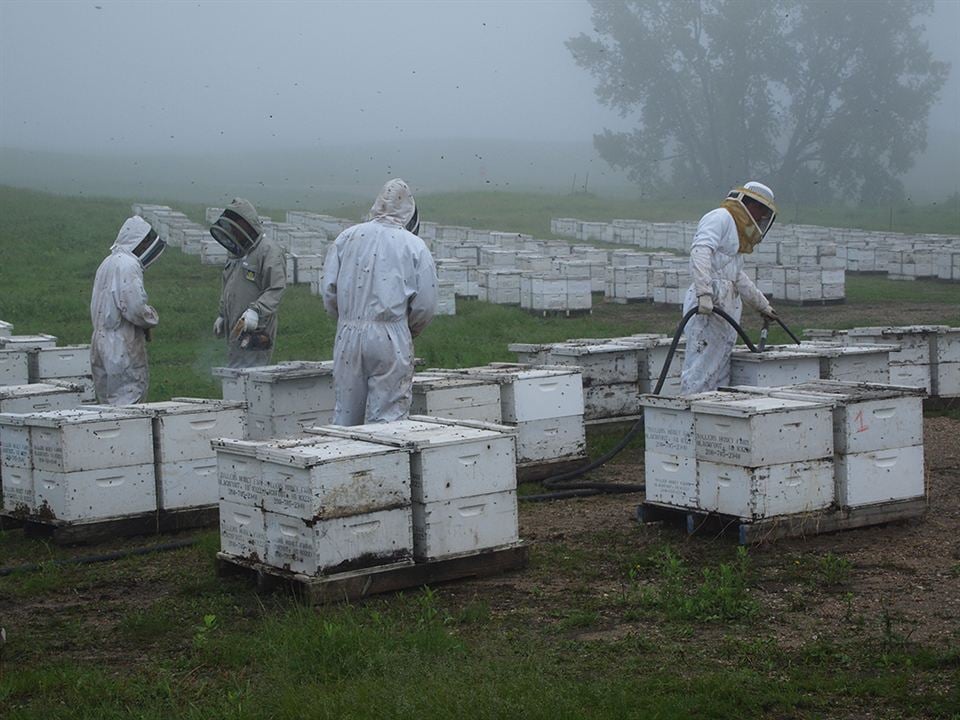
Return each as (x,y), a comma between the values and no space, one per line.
(716,266)
(380,283)
(120,314)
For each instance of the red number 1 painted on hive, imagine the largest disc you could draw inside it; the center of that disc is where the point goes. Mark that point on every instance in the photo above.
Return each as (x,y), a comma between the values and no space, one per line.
(860,426)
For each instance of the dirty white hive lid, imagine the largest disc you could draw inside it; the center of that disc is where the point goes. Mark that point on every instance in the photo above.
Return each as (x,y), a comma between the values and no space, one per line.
(8,392)
(754,405)
(409,433)
(322,449)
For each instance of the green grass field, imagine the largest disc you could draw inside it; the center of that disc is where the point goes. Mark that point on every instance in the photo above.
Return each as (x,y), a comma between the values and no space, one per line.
(626,622)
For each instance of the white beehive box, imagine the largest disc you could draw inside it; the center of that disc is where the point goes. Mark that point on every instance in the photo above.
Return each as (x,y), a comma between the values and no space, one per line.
(758,431)
(773,368)
(600,364)
(948,346)
(448,461)
(671,479)
(332,477)
(854,363)
(880,476)
(540,393)
(910,375)
(455,398)
(14,367)
(293,425)
(613,400)
(240,471)
(866,417)
(532,353)
(339,544)
(233,382)
(38,397)
(78,439)
(766,491)
(669,424)
(27,342)
(94,494)
(16,464)
(88,393)
(916,341)
(463,526)
(60,362)
(17,489)
(290,388)
(243,531)
(6,329)
(557,438)
(946,379)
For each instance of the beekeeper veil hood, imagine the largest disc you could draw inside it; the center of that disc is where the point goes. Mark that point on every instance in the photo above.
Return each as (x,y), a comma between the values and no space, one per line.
(138,238)
(395,205)
(238,228)
(753,211)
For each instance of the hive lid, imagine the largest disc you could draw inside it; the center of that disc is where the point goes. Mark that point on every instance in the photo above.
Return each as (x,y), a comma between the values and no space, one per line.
(415,434)
(178,406)
(290,371)
(322,449)
(61,348)
(753,406)
(895,330)
(683,402)
(77,416)
(855,392)
(599,348)
(827,349)
(8,392)
(27,342)
(769,356)
(430,381)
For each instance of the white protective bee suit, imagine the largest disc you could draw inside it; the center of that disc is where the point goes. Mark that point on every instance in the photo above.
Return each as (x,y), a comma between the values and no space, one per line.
(120,316)
(380,283)
(716,265)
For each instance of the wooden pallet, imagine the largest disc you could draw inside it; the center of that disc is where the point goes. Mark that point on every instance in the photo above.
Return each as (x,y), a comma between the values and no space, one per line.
(358,584)
(752,532)
(66,532)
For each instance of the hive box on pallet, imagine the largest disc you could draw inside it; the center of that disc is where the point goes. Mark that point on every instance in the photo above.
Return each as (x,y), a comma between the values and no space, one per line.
(611,401)
(331,477)
(757,431)
(765,491)
(880,476)
(455,398)
(243,531)
(915,341)
(95,494)
(16,465)
(79,439)
(59,362)
(772,368)
(339,544)
(38,397)
(463,483)
(14,367)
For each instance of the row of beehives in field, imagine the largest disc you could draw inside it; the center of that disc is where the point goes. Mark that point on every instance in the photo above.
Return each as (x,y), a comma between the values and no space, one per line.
(901,256)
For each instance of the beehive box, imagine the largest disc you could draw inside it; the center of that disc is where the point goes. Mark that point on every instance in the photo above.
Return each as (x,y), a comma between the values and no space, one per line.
(79,440)
(289,388)
(455,398)
(6,329)
(240,472)
(333,477)
(915,341)
(463,526)
(854,363)
(38,397)
(292,425)
(14,367)
(233,382)
(84,384)
(550,439)
(448,461)
(773,368)
(16,464)
(27,342)
(765,491)
(600,363)
(880,476)
(339,544)
(60,362)
(611,400)
(759,431)
(94,494)
(243,531)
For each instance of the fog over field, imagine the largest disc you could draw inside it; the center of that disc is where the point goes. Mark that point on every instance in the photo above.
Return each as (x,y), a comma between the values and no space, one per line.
(308,103)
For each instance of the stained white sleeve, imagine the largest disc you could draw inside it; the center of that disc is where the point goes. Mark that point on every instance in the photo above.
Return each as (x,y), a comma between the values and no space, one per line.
(331,271)
(751,293)
(705,243)
(131,299)
(423,304)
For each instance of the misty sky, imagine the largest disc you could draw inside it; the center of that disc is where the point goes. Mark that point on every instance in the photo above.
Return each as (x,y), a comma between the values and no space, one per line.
(182,77)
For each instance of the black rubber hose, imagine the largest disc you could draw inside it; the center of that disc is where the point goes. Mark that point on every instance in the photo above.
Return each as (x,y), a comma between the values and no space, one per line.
(788,330)
(567,489)
(105,557)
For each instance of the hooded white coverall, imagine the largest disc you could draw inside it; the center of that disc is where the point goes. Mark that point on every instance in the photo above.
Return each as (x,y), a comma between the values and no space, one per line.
(380,282)
(717,269)
(120,314)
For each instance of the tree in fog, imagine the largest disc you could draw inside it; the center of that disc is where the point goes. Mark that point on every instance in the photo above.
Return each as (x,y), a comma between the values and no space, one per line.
(825,99)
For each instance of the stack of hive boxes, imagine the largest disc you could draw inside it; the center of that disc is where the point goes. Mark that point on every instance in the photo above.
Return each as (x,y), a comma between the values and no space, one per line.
(80,464)
(755,457)
(455,398)
(281,399)
(315,505)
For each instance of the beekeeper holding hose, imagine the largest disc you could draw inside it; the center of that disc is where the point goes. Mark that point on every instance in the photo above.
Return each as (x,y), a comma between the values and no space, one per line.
(723,236)
(254,280)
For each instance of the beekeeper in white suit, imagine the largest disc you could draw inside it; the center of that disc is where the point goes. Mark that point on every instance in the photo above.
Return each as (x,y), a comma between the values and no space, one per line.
(380,283)
(723,236)
(121,316)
